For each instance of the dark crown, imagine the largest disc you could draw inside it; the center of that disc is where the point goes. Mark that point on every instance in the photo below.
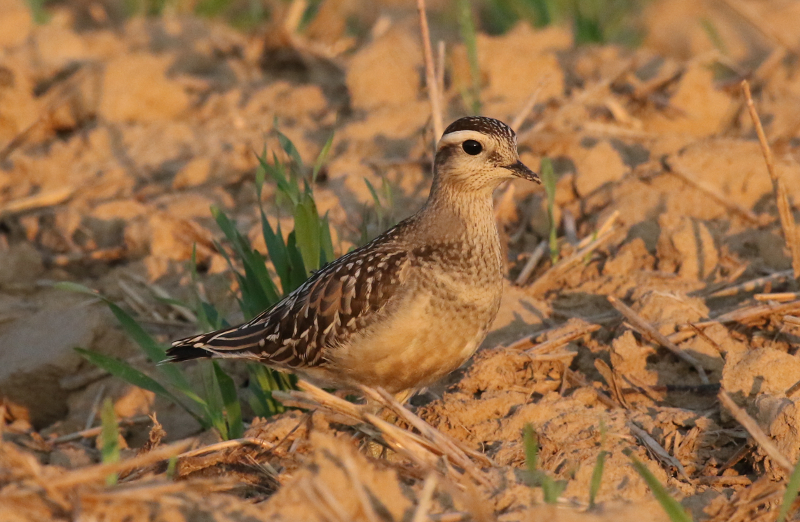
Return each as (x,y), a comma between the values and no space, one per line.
(483,125)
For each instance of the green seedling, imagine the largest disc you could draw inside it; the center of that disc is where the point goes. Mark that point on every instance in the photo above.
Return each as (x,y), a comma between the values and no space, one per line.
(599,465)
(549,182)
(109,438)
(551,488)
(304,250)
(792,487)
(466,25)
(671,507)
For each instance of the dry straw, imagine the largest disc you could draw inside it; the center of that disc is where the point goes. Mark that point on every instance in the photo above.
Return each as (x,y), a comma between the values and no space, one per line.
(778,185)
(430,72)
(755,431)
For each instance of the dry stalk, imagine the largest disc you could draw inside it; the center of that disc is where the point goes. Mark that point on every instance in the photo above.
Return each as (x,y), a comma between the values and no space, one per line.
(44,199)
(565,265)
(579,99)
(440,56)
(610,130)
(100,254)
(228,444)
(527,343)
(755,431)
(56,97)
(613,383)
(423,449)
(158,291)
(750,13)
(430,72)
(425,498)
(749,313)
(754,284)
(781,297)
(150,490)
(453,447)
(352,472)
(579,380)
(454,516)
(690,178)
(735,480)
(324,493)
(560,356)
(643,327)
(319,503)
(793,389)
(94,432)
(530,103)
(778,186)
(403,443)
(313,397)
(530,265)
(792,320)
(657,450)
(605,228)
(100,471)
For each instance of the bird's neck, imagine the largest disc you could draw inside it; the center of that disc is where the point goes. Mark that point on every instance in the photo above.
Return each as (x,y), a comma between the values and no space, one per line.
(453,215)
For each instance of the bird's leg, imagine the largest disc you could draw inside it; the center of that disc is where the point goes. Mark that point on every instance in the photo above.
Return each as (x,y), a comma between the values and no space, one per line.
(403,396)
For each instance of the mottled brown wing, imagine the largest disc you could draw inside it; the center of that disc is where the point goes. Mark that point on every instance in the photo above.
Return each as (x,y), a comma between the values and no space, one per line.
(325,311)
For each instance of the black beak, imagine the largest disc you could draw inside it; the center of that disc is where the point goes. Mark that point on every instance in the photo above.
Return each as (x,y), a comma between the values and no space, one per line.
(521,171)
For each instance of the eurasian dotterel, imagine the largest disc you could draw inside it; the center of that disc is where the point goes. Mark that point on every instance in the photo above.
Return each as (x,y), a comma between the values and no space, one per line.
(409,307)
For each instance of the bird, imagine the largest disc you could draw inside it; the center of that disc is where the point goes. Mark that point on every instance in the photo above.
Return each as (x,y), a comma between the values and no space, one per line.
(409,307)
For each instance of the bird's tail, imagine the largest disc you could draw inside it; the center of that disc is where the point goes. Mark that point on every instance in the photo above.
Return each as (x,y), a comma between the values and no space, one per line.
(195,347)
(186,353)
(225,343)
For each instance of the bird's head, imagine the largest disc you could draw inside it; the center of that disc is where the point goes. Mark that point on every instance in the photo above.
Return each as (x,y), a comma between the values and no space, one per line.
(477,153)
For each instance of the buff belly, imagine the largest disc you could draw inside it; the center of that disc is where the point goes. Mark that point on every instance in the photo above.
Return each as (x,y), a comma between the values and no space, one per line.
(404,352)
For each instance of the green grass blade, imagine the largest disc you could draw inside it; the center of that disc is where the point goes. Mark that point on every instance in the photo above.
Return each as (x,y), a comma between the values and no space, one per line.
(597,477)
(326,241)
(792,487)
(290,150)
(549,181)
(208,317)
(671,506)
(469,36)
(131,375)
(154,351)
(276,249)
(307,232)
(261,172)
(321,159)
(299,273)
(258,290)
(230,400)
(542,16)
(172,466)
(286,181)
(552,489)
(388,196)
(375,199)
(109,438)
(261,385)
(214,400)
(531,448)
(125,372)
(277,171)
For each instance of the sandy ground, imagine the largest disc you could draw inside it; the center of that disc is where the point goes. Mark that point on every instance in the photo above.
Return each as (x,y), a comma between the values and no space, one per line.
(117,135)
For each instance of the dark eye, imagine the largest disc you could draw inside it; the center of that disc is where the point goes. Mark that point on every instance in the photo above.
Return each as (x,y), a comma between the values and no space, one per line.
(472,147)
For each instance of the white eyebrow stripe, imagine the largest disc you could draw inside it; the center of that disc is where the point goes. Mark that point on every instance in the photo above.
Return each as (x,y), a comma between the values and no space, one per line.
(458,137)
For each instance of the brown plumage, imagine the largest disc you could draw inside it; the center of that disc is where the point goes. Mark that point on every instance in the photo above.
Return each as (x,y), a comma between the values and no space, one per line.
(410,306)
